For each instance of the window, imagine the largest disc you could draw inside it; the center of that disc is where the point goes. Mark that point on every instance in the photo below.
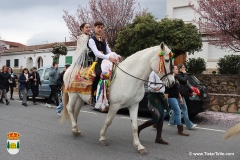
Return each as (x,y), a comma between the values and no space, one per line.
(8,63)
(40,72)
(68,60)
(46,74)
(16,62)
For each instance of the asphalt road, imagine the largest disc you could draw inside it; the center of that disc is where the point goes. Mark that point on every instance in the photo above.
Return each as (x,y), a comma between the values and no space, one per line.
(43,138)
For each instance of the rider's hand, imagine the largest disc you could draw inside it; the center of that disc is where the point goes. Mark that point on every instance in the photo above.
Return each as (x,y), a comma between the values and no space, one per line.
(120,58)
(112,59)
(157,88)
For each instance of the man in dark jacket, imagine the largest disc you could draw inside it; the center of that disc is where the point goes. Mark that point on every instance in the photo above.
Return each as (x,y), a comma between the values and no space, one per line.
(35,82)
(53,76)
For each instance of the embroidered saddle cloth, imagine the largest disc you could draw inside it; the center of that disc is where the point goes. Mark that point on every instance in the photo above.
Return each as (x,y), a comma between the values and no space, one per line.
(82,82)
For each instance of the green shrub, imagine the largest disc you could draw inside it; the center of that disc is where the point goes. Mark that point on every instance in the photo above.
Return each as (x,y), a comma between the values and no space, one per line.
(228,64)
(196,65)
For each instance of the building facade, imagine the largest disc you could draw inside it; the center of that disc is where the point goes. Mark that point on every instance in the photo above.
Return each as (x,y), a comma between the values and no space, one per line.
(179,9)
(38,56)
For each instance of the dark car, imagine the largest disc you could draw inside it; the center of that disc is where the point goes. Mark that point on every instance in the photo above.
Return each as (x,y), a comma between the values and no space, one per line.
(196,105)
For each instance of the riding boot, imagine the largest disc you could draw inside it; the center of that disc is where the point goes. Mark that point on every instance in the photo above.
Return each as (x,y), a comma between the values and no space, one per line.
(94,100)
(159,134)
(144,125)
(180,131)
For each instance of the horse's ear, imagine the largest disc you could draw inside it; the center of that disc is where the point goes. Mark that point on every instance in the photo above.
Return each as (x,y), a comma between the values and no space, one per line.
(162,45)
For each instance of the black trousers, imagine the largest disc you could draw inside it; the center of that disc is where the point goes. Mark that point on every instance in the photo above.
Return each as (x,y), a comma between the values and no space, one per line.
(11,90)
(53,94)
(98,72)
(35,91)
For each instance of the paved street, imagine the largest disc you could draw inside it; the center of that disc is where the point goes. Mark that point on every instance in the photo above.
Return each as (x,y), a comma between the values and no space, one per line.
(43,138)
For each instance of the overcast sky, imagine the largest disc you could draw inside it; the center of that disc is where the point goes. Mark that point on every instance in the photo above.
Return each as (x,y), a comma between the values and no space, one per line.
(32,22)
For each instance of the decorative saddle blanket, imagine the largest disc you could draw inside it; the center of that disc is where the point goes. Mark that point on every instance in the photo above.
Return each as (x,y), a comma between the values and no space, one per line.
(83,80)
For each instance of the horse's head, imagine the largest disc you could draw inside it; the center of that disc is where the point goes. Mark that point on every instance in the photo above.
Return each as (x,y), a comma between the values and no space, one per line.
(161,63)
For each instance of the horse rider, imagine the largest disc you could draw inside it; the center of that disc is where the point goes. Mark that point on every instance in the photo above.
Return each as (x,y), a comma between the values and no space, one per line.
(101,51)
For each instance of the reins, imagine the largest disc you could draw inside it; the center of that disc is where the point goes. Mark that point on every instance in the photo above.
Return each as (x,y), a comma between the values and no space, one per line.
(137,77)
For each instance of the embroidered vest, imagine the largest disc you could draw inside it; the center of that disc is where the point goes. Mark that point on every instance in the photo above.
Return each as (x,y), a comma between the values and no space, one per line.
(101,46)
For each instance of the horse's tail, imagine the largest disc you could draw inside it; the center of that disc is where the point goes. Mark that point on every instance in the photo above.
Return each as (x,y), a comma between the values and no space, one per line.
(235,130)
(65,111)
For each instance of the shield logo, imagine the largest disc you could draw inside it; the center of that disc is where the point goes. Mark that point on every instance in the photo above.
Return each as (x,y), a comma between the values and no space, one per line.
(13,143)
(13,146)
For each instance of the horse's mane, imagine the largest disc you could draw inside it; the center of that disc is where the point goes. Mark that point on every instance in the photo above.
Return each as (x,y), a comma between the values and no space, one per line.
(140,54)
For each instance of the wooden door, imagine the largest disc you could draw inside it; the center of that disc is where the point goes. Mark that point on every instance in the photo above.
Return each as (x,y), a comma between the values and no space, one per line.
(180,59)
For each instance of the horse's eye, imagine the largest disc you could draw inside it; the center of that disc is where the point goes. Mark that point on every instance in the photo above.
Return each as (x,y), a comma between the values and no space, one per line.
(166,60)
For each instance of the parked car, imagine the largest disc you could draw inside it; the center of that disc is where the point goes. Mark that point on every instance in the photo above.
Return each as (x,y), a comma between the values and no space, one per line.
(45,90)
(195,106)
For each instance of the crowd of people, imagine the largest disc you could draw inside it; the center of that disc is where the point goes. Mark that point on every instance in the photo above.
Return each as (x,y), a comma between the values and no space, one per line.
(30,81)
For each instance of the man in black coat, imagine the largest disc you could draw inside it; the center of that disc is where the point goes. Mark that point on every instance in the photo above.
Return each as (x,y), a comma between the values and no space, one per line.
(35,82)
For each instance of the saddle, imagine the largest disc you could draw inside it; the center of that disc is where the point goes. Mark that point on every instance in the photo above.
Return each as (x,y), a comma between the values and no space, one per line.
(82,82)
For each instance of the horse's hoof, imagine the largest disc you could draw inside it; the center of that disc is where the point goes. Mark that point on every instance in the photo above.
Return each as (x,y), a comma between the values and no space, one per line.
(77,134)
(104,143)
(143,151)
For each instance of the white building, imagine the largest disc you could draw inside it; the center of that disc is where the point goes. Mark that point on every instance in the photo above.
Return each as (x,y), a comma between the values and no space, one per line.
(179,9)
(37,55)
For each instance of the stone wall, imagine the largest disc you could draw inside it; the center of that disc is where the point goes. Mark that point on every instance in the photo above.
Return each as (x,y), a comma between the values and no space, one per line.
(224,102)
(222,84)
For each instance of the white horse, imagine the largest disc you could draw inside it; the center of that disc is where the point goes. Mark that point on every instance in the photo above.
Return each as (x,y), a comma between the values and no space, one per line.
(125,91)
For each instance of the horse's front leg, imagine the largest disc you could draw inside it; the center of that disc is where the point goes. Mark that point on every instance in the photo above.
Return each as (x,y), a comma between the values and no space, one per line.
(111,113)
(73,97)
(133,115)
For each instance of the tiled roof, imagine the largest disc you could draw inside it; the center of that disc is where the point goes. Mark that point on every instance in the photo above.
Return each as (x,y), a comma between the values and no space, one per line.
(36,47)
(13,44)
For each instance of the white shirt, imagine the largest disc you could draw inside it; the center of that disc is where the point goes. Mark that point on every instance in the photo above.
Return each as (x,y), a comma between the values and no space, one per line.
(155,79)
(96,52)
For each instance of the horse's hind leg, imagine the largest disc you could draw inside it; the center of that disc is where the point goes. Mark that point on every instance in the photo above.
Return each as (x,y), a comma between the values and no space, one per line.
(76,111)
(73,98)
(111,113)
(133,115)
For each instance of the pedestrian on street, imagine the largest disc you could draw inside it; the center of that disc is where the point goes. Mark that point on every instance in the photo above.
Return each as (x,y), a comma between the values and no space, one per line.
(24,80)
(13,84)
(35,82)
(182,78)
(5,81)
(173,94)
(157,99)
(60,88)
(53,76)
